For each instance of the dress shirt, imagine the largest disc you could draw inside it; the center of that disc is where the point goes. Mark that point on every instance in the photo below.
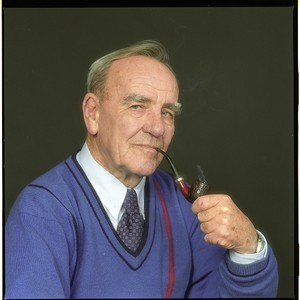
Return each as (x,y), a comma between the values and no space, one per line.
(111,193)
(109,189)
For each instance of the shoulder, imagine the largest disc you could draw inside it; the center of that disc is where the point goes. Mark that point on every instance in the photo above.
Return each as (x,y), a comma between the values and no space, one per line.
(49,193)
(163,176)
(56,176)
(164,183)
(167,184)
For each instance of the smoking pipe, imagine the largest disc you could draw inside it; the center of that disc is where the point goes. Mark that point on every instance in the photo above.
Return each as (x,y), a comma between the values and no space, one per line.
(198,188)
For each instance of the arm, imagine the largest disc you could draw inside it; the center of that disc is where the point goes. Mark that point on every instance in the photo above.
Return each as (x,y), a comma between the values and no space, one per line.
(225,227)
(39,248)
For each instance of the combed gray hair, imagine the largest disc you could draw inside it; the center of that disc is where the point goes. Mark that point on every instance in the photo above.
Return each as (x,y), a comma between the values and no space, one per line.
(99,69)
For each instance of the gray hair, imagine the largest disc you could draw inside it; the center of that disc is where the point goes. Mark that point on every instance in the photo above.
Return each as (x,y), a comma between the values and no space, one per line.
(99,69)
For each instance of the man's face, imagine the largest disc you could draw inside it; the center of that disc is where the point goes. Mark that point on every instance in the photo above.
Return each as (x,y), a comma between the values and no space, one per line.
(136,115)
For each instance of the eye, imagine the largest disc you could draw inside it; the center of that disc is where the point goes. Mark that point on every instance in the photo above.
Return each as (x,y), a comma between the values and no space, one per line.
(168,116)
(136,107)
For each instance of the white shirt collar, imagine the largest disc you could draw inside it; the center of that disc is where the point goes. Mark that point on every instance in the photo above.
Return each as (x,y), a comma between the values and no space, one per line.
(109,189)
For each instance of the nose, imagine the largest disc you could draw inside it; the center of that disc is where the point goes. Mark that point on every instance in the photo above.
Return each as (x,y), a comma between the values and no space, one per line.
(154,124)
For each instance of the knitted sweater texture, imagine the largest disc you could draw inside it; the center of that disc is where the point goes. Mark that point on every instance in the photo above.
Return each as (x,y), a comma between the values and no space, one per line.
(59,243)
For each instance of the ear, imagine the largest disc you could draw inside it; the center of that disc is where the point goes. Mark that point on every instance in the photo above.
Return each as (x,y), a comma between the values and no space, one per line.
(90,109)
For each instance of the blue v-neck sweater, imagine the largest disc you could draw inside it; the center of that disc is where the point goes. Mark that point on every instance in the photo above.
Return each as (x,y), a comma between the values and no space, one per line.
(60,243)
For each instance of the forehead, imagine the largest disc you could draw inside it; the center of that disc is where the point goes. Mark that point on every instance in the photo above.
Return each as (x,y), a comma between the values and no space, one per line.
(142,71)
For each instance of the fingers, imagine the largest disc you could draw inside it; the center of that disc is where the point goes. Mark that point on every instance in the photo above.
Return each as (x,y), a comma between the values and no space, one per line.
(220,231)
(224,224)
(209,201)
(207,215)
(217,222)
(224,241)
(211,207)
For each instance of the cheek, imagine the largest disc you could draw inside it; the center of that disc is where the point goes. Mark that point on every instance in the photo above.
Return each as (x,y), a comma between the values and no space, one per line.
(167,138)
(128,130)
(119,129)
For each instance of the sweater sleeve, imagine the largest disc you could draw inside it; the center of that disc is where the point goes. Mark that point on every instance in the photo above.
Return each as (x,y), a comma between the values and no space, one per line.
(216,276)
(39,247)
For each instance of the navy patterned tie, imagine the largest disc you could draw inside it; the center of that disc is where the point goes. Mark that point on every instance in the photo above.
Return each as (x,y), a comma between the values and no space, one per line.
(131,225)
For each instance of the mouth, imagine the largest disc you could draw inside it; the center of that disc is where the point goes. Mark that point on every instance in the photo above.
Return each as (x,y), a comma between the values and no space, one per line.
(152,148)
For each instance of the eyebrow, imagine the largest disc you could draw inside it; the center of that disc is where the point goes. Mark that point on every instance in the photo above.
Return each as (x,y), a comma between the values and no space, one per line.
(136,98)
(175,107)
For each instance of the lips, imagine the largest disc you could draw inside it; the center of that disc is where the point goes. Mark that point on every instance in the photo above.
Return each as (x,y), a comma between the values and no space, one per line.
(148,146)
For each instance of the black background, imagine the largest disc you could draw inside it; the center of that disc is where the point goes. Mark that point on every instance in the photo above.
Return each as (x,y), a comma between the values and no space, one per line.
(236,71)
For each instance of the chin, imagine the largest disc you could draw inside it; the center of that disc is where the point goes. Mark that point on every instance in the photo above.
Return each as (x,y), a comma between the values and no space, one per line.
(146,168)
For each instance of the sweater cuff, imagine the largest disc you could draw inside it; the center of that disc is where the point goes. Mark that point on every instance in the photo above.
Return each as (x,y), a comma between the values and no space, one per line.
(246,269)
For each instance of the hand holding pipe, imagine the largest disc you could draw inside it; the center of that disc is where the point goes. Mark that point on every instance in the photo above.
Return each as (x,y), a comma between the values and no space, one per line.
(198,188)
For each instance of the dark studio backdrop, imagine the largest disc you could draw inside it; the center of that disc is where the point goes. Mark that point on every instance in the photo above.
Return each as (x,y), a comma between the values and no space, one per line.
(235,66)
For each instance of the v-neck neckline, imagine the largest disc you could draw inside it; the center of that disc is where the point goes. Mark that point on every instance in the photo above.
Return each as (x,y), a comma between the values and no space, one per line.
(133,260)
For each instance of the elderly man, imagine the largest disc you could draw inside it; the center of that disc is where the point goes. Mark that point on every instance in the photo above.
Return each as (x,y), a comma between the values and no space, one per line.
(107,223)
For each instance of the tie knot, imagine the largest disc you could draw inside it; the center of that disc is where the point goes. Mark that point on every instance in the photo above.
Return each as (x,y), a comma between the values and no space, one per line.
(131,202)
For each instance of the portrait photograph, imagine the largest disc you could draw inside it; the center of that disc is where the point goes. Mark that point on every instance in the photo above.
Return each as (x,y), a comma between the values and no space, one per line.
(236,69)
